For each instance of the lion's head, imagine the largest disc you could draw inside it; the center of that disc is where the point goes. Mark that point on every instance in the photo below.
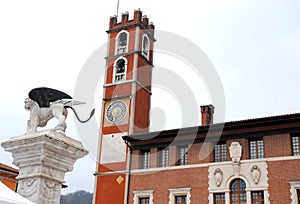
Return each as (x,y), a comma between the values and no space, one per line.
(28,103)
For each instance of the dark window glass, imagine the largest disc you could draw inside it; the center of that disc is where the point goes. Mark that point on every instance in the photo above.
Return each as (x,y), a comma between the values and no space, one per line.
(182,155)
(144,200)
(220,152)
(180,199)
(219,198)
(145,162)
(120,70)
(295,142)
(145,46)
(163,160)
(238,192)
(122,43)
(257,197)
(256,149)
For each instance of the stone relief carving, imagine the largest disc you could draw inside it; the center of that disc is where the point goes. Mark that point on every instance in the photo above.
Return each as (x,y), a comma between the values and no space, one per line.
(51,189)
(235,151)
(255,174)
(27,187)
(218,174)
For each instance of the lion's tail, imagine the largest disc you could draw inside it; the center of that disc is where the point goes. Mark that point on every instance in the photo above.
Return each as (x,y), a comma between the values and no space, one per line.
(76,114)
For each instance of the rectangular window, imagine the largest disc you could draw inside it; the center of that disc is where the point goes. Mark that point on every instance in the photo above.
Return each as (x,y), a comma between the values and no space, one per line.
(145,163)
(163,157)
(182,155)
(256,149)
(295,142)
(257,197)
(180,199)
(220,152)
(219,198)
(298,195)
(144,200)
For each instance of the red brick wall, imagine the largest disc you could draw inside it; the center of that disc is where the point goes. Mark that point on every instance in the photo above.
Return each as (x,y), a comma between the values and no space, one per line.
(194,153)
(280,173)
(277,145)
(135,159)
(142,108)
(162,181)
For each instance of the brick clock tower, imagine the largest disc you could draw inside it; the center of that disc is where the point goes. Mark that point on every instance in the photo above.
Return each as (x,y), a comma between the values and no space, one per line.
(126,102)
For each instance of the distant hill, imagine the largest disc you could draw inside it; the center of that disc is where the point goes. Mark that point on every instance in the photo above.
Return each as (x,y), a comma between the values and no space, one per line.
(78,197)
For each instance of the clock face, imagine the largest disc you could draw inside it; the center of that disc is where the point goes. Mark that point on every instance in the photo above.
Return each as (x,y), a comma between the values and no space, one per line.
(116,112)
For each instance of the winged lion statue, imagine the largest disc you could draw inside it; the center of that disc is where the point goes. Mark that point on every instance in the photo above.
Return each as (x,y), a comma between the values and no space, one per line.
(46,103)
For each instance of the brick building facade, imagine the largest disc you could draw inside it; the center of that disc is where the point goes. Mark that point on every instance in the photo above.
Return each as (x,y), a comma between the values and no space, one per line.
(254,161)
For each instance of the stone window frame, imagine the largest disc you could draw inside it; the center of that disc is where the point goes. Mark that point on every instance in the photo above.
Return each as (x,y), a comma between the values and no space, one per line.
(295,185)
(148,49)
(142,194)
(180,192)
(114,69)
(117,40)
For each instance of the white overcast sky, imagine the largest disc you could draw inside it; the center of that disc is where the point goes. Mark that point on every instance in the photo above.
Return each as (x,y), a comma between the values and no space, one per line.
(253,44)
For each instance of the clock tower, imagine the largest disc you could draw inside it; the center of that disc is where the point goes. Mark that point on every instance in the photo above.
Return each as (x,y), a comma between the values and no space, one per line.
(126,102)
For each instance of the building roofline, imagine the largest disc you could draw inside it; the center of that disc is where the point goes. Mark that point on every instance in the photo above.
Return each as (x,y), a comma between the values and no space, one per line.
(226,126)
(7,168)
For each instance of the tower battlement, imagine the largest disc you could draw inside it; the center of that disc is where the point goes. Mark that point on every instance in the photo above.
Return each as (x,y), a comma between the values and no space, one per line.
(138,20)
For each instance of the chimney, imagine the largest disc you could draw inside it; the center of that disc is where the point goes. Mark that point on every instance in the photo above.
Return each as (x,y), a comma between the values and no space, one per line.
(207,114)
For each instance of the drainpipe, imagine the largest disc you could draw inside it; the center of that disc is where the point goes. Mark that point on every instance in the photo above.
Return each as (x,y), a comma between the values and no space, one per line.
(129,172)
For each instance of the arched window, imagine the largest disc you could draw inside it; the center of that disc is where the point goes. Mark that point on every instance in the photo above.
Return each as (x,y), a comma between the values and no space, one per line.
(122,42)
(145,46)
(120,66)
(238,192)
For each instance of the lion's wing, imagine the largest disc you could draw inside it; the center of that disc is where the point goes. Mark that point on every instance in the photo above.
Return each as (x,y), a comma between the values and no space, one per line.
(44,96)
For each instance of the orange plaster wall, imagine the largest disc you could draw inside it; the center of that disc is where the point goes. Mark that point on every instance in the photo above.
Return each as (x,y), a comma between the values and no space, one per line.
(9,183)
(109,190)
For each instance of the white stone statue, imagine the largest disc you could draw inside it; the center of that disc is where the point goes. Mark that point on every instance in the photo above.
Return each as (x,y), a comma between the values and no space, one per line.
(40,116)
(44,104)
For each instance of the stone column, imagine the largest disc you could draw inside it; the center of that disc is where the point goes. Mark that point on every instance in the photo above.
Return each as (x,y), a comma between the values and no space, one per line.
(43,159)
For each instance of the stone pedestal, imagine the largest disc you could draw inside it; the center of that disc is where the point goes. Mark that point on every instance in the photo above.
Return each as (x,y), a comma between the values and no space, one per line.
(43,159)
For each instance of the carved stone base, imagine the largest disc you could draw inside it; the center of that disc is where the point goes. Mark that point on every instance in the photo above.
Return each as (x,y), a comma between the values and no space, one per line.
(43,159)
